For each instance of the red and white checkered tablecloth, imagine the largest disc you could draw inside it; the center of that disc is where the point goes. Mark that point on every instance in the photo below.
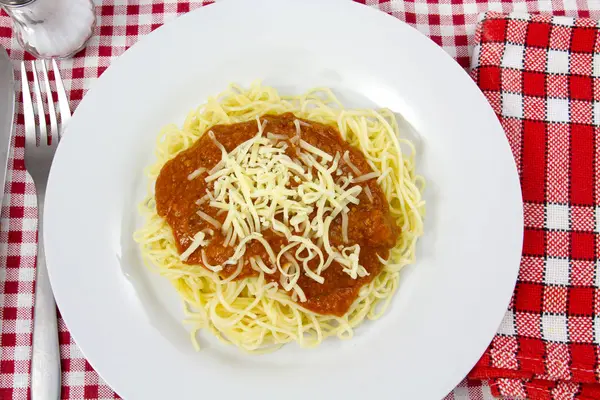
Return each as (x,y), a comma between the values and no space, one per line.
(449,23)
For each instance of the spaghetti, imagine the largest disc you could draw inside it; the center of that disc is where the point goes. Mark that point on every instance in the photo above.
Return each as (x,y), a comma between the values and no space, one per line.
(272,225)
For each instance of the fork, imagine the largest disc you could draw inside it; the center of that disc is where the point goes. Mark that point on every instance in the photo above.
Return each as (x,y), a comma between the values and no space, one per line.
(39,152)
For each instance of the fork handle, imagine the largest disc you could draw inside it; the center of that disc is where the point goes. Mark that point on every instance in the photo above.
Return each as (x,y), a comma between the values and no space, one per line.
(45,361)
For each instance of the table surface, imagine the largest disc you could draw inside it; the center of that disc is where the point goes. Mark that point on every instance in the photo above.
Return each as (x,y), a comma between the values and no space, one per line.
(120,23)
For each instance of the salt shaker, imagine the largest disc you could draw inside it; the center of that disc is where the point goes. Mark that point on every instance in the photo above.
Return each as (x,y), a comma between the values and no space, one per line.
(51,28)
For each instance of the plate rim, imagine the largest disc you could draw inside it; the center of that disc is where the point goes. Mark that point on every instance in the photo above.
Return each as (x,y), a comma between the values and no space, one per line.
(145,39)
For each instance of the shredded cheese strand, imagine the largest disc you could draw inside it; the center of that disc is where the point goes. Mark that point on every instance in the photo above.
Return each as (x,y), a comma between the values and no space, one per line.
(252,185)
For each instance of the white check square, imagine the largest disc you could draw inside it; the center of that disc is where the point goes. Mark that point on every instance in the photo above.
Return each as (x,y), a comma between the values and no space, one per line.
(20,380)
(512,105)
(596,65)
(557,216)
(75,378)
(24,300)
(22,353)
(554,328)
(597,274)
(507,327)
(558,62)
(461,392)
(23,326)
(513,56)
(475,56)
(558,110)
(564,21)
(557,271)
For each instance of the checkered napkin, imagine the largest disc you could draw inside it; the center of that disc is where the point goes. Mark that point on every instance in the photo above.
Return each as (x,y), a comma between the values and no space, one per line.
(541,74)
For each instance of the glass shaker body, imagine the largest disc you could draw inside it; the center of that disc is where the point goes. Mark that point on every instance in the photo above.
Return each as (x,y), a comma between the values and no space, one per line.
(51,28)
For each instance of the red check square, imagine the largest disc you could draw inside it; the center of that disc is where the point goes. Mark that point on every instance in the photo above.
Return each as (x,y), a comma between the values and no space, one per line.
(11,287)
(534,83)
(183,8)
(133,9)
(583,40)
(90,392)
(531,353)
(583,365)
(533,161)
(7,366)
(495,30)
(582,168)
(538,34)
(581,87)
(581,301)
(528,297)
(132,30)
(583,245)
(9,339)
(489,78)
(534,242)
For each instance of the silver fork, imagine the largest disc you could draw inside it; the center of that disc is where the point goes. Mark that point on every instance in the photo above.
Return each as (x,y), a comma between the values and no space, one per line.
(45,362)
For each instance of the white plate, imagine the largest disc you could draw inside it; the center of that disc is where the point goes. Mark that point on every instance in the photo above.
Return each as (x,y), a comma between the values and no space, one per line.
(127,320)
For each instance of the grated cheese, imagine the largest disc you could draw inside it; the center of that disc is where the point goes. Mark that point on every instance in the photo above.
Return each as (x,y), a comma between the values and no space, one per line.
(209,219)
(365,177)
(197,241)
(348,162)
(369,194)
(253,185)
(196,173)
(315,150)
(274,136)
(214,268)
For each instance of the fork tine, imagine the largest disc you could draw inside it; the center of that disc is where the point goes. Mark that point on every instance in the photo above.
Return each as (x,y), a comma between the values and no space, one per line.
(41,114)
(53,123)
(63,103)
(28,113)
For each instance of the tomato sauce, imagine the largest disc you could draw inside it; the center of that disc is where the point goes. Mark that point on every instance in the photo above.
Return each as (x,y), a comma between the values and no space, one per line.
(369,223)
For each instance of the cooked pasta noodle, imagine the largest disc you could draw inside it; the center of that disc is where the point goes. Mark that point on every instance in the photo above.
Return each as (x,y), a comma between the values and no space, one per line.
(253,313)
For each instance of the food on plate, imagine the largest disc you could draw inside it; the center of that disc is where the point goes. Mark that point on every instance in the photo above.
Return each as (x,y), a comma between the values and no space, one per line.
(282,219)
